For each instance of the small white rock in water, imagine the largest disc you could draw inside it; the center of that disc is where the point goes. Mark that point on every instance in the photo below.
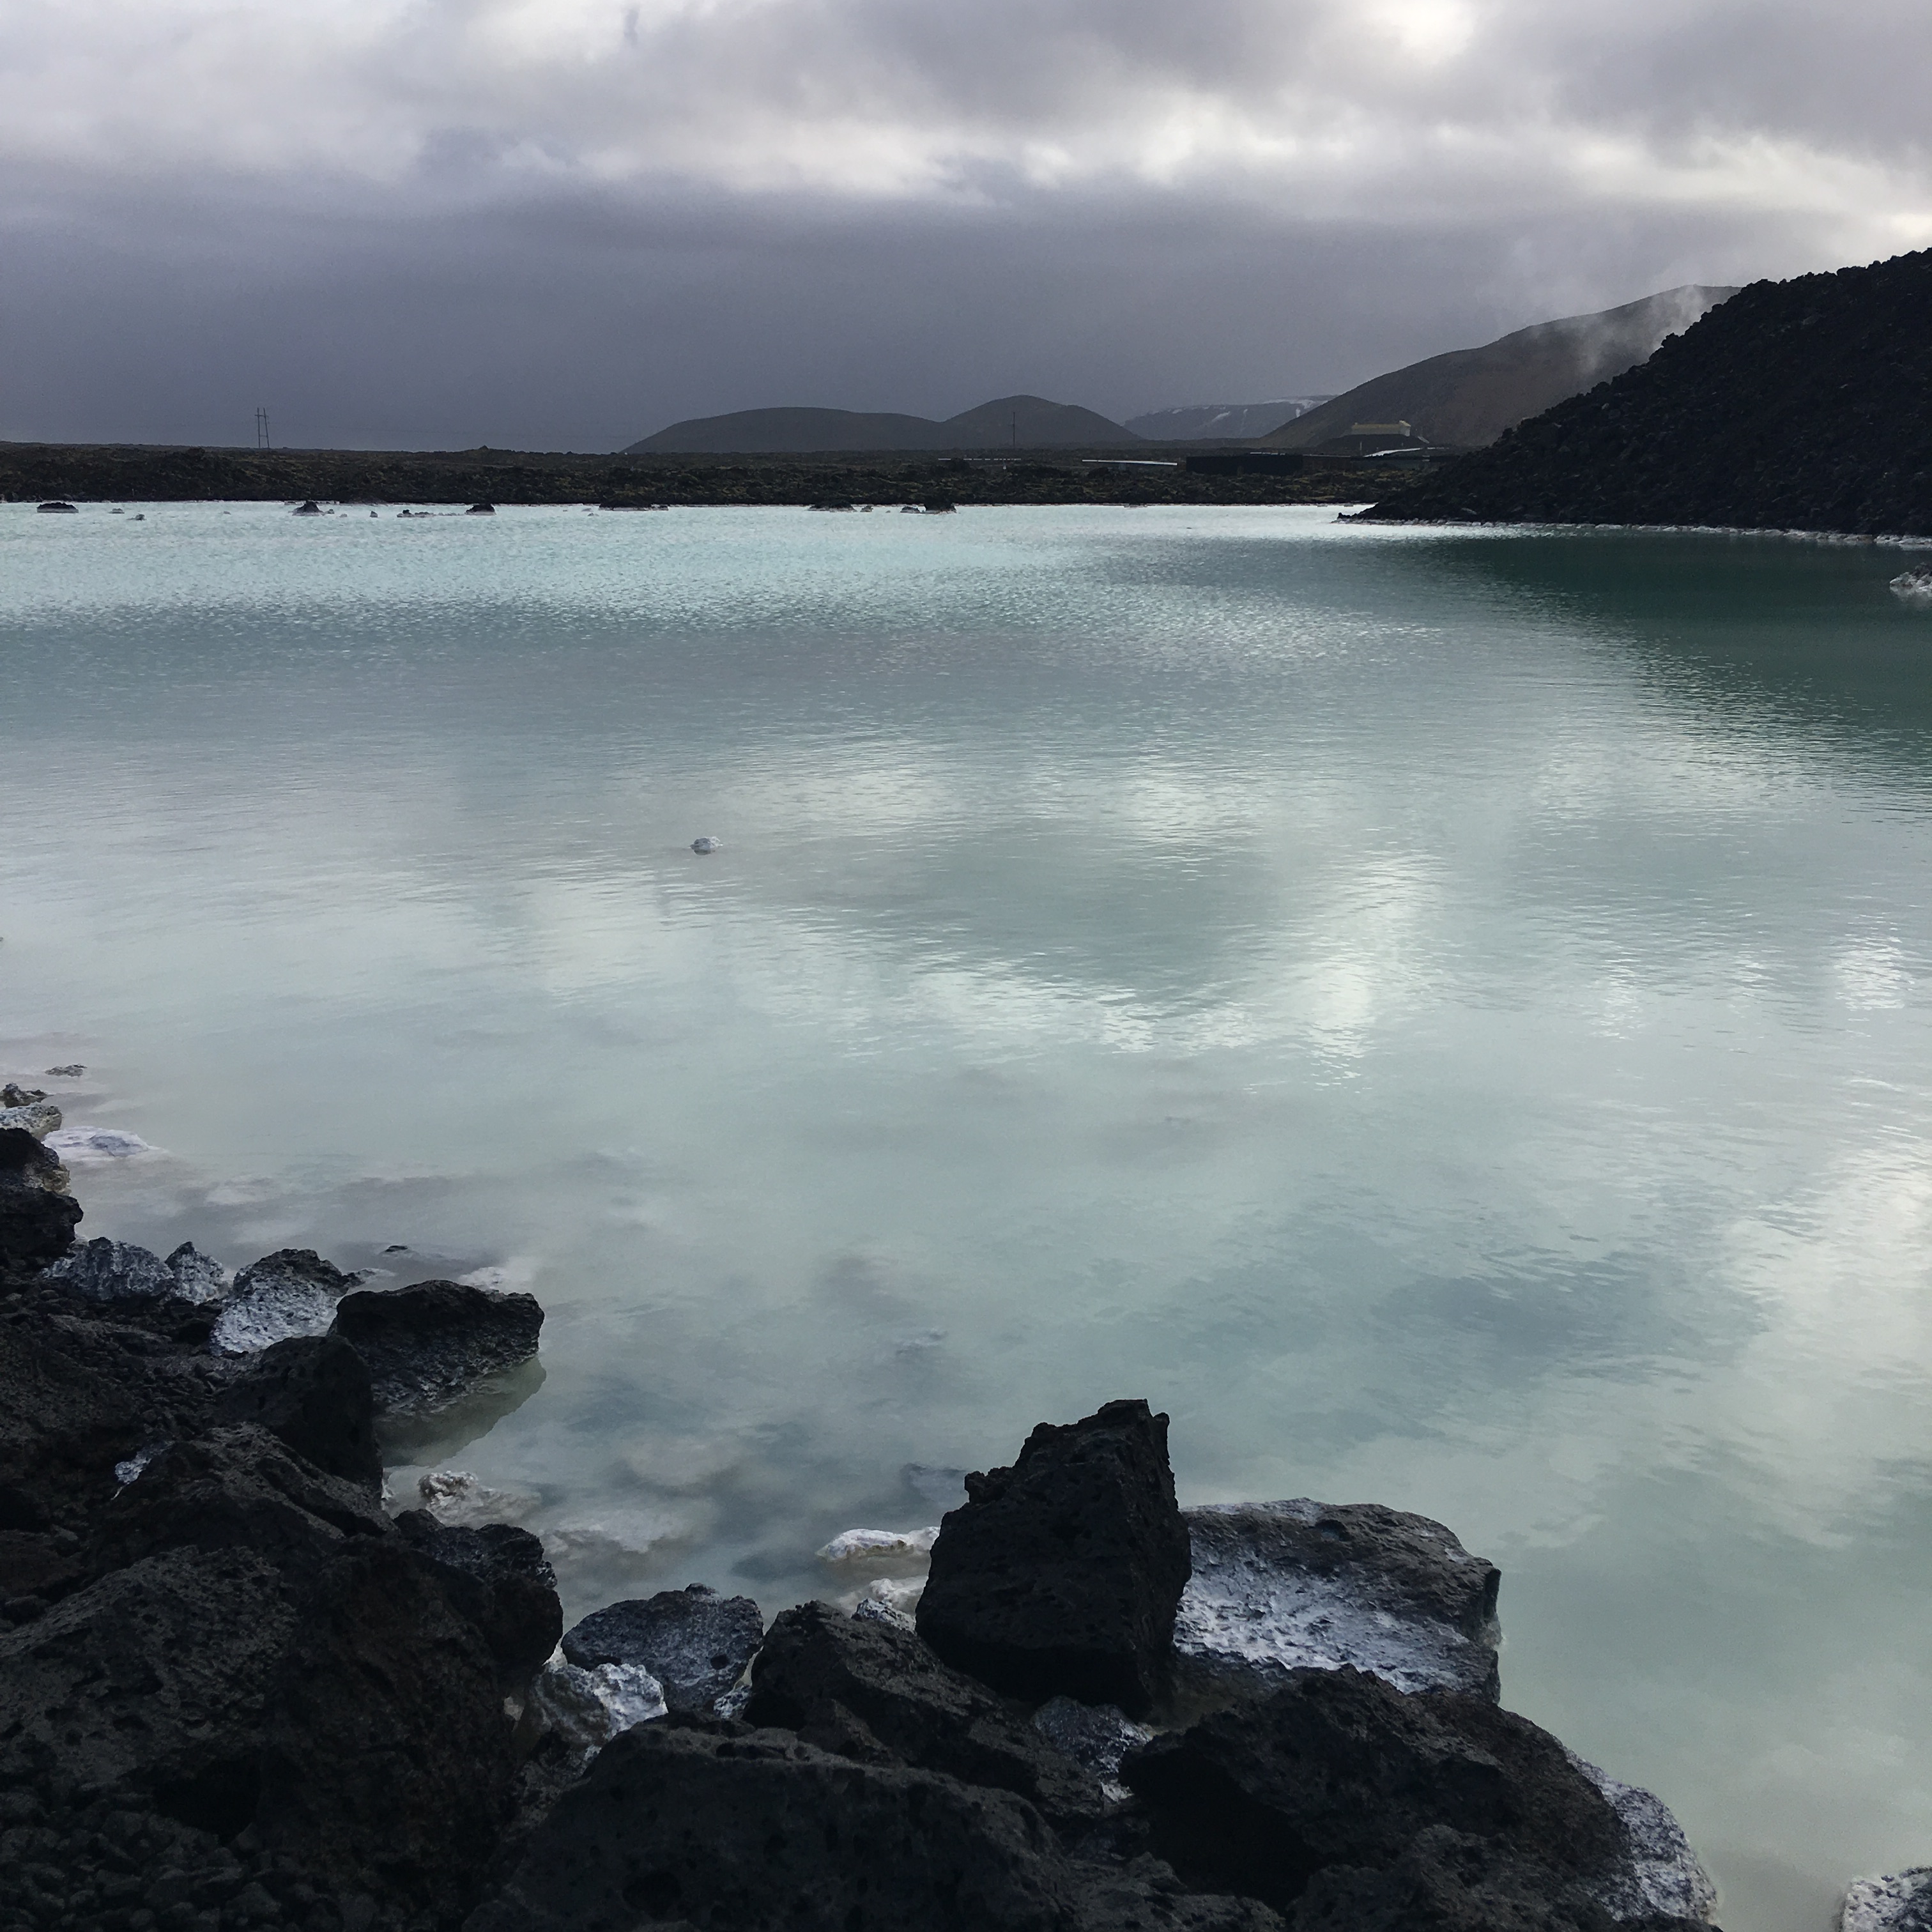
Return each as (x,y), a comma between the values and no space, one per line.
(1914,585)
(587,1709)
(1898,1902)
(880,1546)
(80,1146)
(702,847)
(40,1118)
(455,1497)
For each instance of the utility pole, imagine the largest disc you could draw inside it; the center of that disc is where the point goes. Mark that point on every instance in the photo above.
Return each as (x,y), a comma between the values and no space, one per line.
(261,431)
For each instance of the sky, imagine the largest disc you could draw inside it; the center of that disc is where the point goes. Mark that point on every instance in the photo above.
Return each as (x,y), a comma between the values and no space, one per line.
(562,224)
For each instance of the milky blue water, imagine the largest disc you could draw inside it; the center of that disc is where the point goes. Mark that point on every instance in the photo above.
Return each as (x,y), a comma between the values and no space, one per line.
(1444,1015)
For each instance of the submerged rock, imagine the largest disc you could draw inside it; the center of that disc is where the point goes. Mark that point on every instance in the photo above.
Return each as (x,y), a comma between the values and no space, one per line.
(1898,1902)
(1062,1573)
(38,1215)
(1914,585)
(92,1145)
(836,1680)
(1280,1586)
(292,1291)
(881,1546)
(429,1345)
(694,1642)
(454,1497)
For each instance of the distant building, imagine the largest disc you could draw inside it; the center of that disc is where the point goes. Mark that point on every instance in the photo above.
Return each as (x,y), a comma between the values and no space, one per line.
(1383,429)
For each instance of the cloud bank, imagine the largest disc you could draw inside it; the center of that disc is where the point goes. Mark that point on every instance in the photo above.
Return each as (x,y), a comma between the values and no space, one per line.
(563,222)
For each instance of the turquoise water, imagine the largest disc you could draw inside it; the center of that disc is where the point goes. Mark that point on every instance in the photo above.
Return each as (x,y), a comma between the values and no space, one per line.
(1445,1015)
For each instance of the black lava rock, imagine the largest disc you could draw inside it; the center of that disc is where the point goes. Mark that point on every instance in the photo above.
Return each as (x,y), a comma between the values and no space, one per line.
(498,1577)
(1061,1575)
(1337,1770)
(694,1642)
(716,1824)
(38,1215)
(313,1392)
(428,1345)
(817,1669)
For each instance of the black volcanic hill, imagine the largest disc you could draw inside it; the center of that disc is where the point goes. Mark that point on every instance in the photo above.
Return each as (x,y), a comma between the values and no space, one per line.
(1798,405)
(1469,397)
(1020,422)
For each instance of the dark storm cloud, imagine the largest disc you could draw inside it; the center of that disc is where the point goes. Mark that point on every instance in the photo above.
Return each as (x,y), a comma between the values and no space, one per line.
(560,223)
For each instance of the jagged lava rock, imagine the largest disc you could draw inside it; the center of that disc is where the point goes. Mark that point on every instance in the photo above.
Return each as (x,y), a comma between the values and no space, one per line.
(104,1271)
(313,1392)
(584,1709)
(1096,1735)
(1663,1877)
(713,1823)
(78,1395)
(498,1577)
(199,1278)
(38,1115)
(817,1668)
(694,1642)
(1278,1586)
(1337,1769)
(1062,1574)
(38,1215)
(428,1345)
(292,1291)
(1897,1902)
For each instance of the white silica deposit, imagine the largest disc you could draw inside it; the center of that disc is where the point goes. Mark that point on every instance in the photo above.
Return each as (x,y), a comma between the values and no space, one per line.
(1914,585)
(877,1547)
(81,1147)
(1664,1878)
(1897,1902)
(587,1709)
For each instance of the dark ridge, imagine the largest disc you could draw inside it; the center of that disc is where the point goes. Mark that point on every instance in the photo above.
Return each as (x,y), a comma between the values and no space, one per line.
(1798,405)
(1008,422)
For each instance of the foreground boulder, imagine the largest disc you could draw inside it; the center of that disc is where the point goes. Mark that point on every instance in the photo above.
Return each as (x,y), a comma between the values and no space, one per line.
(1279,1586)
(312,1393)
(1389,1801)
(1061,1575)
(498,1577)
(38,1215)
(850,1683)
(1898,1902)
(721,1824)
(694,1642)
(429,1345)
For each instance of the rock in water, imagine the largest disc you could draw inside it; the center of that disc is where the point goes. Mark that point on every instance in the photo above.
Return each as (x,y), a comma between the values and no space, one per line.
(704,847)
(1062,1574)
(429,1345)
(1914,585)
(1663,1878)
(101,1271)
(1899,1902)
(818,1672)
(38,1215)
(40,1117)
(1279,1586)
(498,1577)
(1336,1772)
(693,1641)
(312,1392)
(198,1278)
(292,1291)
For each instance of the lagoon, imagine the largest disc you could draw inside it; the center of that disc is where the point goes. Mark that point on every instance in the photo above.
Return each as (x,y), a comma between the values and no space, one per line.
(1446,1014)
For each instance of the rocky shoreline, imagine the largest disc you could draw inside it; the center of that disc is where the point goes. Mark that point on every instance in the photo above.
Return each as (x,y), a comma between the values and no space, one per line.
(236,1691)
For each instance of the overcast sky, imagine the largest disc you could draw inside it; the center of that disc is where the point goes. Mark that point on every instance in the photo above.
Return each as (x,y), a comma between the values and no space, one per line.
(564,223)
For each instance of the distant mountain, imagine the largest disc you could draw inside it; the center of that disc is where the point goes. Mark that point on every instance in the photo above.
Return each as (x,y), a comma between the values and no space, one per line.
(1197,421)
(1019,422)
(1798,405)
(1469,397)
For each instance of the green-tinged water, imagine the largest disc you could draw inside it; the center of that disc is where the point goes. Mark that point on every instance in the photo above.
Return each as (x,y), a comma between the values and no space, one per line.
(1444,1015)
